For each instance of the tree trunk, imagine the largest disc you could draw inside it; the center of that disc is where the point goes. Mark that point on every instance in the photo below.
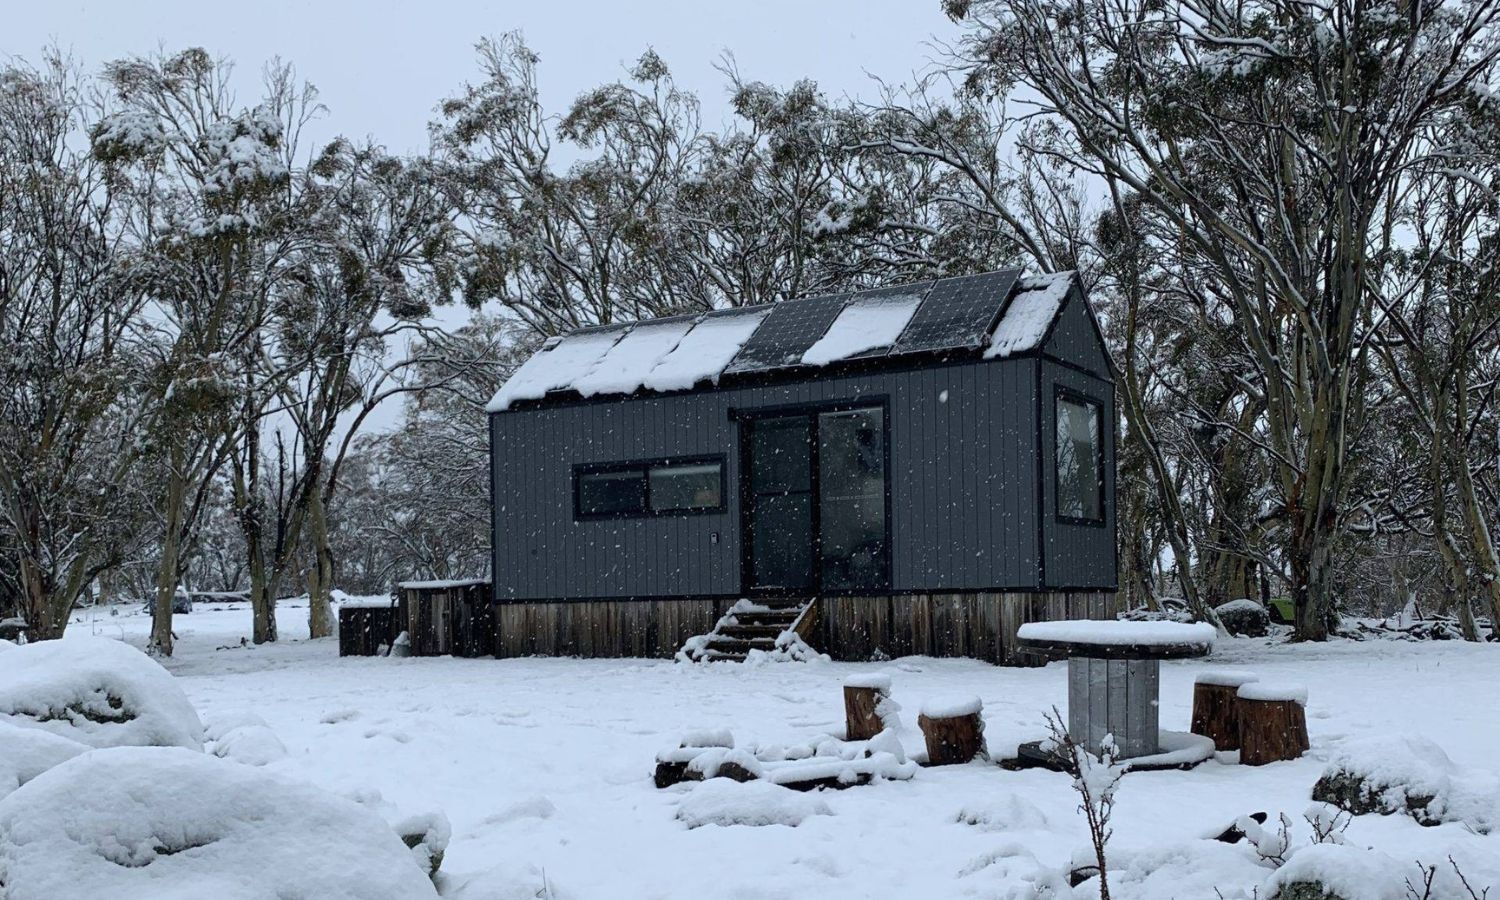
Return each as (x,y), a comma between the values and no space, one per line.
(320,576)
(952,739)
(166,572)
(861,715)
(1271,731)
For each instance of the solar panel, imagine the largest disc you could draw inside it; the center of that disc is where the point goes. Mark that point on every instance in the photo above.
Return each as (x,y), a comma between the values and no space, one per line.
(958,313)
(791,327)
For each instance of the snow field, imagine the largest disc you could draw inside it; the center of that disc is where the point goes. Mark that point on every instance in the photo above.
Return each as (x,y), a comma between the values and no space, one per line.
(543,767)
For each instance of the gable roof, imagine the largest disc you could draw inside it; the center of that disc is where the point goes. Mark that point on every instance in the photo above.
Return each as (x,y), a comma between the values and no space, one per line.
(1000,314)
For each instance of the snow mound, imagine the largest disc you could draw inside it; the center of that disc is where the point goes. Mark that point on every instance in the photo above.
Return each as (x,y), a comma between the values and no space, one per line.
(97,691)
(1344,872)
(1409,774)
(252,745)
(725,802)
(506,881)
(148,823)
(1006,813)
(26,753)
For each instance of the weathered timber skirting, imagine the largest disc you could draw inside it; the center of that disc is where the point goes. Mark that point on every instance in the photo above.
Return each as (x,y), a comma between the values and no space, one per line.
(980,625)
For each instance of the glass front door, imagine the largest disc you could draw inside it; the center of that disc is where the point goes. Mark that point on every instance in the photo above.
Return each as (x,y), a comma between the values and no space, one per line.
(816,503)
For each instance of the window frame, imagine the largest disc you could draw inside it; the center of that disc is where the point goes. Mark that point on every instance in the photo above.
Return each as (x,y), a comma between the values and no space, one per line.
(643,468)
(1059,394)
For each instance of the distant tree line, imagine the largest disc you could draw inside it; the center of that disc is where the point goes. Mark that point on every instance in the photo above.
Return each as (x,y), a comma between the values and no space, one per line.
(1285,213)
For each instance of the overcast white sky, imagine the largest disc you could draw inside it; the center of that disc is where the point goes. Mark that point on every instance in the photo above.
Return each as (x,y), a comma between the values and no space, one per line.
(382,65)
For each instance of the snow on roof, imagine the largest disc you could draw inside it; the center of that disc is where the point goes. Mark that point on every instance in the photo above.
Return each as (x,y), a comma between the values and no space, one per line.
(705,351)
(864,325)
(624,367)
(1037,302)
(439,585)
(681,352)
(559,363)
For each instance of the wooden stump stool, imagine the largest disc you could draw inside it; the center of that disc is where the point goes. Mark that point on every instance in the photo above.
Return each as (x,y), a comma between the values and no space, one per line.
(1216,706)
(1273,722)
(954,730)
(866,698)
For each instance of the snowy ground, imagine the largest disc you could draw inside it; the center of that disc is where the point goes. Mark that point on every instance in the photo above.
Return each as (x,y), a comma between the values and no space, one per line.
(543,766)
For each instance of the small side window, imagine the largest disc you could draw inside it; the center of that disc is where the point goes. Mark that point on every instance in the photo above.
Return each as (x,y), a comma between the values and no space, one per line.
(611,493)
(683,487)
(667,487)
(1080,487)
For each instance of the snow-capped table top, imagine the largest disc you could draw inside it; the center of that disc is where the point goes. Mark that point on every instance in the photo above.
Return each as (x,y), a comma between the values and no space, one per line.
(1120,640)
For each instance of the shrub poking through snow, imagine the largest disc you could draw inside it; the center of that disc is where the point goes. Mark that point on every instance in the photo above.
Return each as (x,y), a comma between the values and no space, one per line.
(1095,778)
(1410,775)
(244,738)
(97,691)
(755,803)
(147,822)
(427,835)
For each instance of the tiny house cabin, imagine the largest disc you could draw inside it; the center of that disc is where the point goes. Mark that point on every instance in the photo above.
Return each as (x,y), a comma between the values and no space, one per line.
(922,468)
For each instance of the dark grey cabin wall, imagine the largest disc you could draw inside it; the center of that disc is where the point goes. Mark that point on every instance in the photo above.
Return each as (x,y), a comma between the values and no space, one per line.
(1075,340)
(1076,556)
(963,485)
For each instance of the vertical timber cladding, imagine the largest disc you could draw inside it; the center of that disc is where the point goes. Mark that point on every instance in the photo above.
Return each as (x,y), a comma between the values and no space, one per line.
(978,624)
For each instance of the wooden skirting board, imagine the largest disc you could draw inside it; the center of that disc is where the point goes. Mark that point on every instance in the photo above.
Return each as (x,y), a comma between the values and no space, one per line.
(981,625)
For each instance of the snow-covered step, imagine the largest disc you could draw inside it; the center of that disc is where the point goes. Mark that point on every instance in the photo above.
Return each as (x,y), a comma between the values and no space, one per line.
(748,626)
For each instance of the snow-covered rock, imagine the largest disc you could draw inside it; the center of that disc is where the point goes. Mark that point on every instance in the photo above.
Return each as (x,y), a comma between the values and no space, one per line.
(97,691)
(1340,872)
(149,823)
(1244,618)
(721,801)
(252,745)
(427,835)
(1412,775)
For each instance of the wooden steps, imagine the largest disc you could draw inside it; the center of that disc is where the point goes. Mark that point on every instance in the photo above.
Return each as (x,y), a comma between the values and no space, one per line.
(751,625)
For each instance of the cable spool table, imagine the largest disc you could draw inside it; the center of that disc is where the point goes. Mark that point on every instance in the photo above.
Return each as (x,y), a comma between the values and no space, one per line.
(1114,679)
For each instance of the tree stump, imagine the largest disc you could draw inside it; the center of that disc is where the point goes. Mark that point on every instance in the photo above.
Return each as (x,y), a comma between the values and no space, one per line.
(1273,723)
(1216,706)
(954,732)
(863,695)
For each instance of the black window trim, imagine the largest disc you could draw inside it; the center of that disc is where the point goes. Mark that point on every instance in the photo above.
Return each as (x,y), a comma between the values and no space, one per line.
(1059,393)
(644,467)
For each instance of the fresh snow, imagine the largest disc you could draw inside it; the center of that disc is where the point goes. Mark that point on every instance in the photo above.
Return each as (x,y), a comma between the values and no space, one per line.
(559,363)
(1038,300)
(98,692)
(152,823)
(755,803)
(26,753)
(1114,633)
(625,366)
(1262,690)
(863,325)
(439,585)
(543,766)
(951,707)
(1226,677)
(705,351)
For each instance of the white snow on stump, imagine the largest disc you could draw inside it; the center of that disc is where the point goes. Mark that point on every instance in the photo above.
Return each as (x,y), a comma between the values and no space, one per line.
(951,707)
(1117,633)
(1273,691)
(148,823)
(97,691)
(754,803)
(874,681)
(1226,677)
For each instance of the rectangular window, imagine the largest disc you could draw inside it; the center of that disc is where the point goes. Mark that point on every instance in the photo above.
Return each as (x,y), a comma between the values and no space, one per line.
(1080,484)
(648,488)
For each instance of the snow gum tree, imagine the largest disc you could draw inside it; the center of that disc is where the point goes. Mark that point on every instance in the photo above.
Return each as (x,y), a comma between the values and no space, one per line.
(210,214)
(1276,137)
(69,367)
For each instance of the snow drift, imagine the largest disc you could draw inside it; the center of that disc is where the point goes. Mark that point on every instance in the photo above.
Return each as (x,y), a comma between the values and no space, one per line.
(148,823)
(98,692)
